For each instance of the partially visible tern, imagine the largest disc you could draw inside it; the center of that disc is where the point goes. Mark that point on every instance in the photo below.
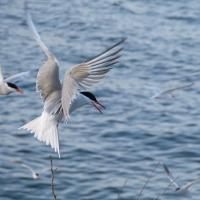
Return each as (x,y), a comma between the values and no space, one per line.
(178,188)
(7,85)
(171,91)
(35,174)
(60,99)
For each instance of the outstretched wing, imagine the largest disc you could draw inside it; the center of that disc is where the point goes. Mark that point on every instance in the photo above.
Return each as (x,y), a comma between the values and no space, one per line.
(36,34)
(170,91)
(1,74)
(48,75)
(20,76)
(170,176)
(186,186)
(84,75)
(27,167)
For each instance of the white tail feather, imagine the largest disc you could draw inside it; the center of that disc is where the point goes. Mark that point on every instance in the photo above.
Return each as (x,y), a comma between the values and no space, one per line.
(45,129)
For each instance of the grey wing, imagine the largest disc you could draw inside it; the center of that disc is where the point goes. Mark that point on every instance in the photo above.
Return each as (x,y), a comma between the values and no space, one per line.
(48,75)
(48,78)
(36,34)
(1,74)
(188,185)
(29,168)
(177,88)
(20,76)
(98,66)
(170,176)
(84,75)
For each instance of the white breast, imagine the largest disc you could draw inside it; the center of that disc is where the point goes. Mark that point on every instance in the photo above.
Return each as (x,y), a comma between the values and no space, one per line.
(4,89)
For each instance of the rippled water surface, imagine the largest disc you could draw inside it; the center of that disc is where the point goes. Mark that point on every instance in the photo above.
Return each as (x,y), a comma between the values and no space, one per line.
(100,152)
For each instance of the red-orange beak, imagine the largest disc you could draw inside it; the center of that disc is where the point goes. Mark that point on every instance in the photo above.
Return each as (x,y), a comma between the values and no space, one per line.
(98,106)
(19,90)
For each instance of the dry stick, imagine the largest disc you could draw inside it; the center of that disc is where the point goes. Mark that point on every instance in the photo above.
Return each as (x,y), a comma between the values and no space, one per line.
(165,190)
(52,181)
(147,181)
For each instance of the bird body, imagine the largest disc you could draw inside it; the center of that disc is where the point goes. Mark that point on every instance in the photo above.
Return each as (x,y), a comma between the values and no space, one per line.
(59,98)
(5,89)
(178,187)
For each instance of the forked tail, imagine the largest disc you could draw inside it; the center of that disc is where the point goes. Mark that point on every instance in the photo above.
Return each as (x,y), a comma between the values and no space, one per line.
(45,129)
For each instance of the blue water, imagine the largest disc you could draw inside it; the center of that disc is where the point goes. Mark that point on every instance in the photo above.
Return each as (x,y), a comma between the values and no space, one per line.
(102,151)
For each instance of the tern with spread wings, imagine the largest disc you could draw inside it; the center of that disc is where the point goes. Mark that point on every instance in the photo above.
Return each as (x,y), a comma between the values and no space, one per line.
(178,187)
(59,99)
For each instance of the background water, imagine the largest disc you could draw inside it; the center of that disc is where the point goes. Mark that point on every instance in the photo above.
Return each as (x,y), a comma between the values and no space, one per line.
(102,151)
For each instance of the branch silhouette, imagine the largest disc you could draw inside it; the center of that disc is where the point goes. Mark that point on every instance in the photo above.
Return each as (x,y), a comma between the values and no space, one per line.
(52,181)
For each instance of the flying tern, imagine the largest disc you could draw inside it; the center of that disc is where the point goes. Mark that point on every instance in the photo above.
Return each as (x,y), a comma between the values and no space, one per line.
(35,174)
(178,187)
(61,99)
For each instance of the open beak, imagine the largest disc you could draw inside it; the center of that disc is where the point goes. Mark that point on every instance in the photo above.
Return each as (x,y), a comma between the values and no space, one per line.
(19,90)
(98,106)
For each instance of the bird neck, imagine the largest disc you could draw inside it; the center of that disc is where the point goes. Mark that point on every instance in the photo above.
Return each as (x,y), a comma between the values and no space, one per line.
(80,101)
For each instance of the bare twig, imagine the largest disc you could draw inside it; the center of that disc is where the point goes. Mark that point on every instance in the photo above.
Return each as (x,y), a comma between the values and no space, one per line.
(52,181)
(147,181)
(164,190)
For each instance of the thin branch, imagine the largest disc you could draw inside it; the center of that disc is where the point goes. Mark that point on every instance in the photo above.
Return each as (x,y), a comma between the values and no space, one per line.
(52,181)
(164,190)
(147,181)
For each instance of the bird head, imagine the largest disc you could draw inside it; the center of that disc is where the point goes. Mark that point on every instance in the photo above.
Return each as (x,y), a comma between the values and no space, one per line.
(14,88)
(93,101)
(35,175)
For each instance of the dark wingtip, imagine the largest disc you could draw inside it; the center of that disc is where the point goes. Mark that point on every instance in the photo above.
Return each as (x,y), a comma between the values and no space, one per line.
(101,105)
(166,168)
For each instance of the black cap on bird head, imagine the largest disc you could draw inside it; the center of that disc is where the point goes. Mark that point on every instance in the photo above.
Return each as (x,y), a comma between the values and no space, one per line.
(12,85)
(94,101)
